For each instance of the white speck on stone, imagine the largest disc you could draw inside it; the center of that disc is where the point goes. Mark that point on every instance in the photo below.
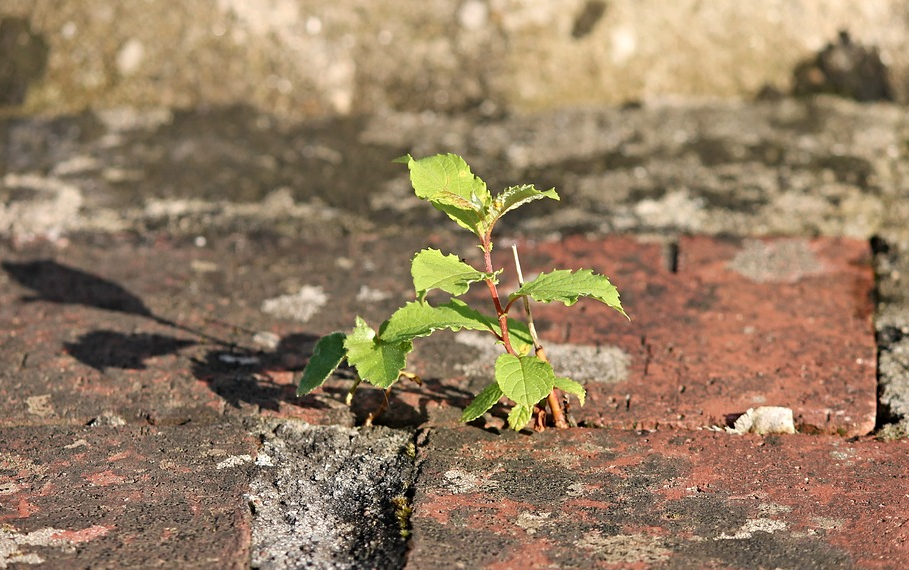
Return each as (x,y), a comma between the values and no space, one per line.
(40,406)
(605,364)
(773,509)
(80,164)
(300,306)
(765,420)
(121,119)
(313,25)
(676,209)
(238,360)
(69,30)
(370,295)
(267,339)
(53,210)
(458,482)
(12,541)
(130,56)
(783,261)
(234,461)
(625,548)
(624,43)
(530,522)
(752,526)
(473,15)
(109,419)
(275,17)
(263,460)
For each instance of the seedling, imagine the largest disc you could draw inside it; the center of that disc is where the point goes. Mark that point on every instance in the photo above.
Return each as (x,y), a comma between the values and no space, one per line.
(523,373)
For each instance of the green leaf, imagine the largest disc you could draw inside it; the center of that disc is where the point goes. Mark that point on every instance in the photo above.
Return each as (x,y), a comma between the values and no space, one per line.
(514,197)
(378,362)
(519,416)
(326,356)
(432,270)
(446,181)
(519,334)
(460,211)
(567,286)
(416,319)
(484,400)
(568,385)
(524,379)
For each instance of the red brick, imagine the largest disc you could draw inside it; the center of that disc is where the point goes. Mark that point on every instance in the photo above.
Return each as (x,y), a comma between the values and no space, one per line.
(705,342)
(621,499)
(127,496)
(708,342)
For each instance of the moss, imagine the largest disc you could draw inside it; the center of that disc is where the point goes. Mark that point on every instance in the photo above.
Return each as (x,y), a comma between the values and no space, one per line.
(403,511)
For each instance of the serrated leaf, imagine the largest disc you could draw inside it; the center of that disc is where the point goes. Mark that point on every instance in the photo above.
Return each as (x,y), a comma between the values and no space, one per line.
(484,400)
(567,286)
(524,379)
(568,385)
(378,362)
(514,197)
(446,181)
(519,416)
(326,356)
(416,319)
(433,270)
(461,211)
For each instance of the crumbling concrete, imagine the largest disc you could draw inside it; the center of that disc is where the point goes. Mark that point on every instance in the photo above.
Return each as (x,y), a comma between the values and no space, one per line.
(331,497)
(327,58)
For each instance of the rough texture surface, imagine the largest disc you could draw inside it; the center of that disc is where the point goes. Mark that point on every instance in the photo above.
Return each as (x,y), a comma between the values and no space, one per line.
(317,57)
(613,499)
(115,496)
(329,497)
(165,272)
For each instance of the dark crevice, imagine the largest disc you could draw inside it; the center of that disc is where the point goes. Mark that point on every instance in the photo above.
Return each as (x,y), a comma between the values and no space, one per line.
(588,19)
(886,336)
(671,256)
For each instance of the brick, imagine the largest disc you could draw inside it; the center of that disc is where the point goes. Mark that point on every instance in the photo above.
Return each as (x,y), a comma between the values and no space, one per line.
(740,324)
(633,499)
(107,497)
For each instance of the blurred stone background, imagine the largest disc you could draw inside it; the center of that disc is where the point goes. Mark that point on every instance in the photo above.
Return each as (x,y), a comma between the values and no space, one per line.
(317,58)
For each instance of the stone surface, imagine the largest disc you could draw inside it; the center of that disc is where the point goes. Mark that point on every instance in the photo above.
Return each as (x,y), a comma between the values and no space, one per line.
(109,497)
(802,168)
(739,324)
(165,272)
(330,497)
(91,333)
(348,58)
(693,499)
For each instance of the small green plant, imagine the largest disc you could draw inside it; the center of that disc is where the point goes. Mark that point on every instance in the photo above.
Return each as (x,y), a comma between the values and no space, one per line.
(522,372)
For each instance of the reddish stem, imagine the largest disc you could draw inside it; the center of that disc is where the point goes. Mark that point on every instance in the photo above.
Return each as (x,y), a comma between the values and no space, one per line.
(501,313)
(558,416)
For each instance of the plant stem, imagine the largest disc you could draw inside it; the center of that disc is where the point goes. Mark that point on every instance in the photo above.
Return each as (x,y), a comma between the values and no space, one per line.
(555,406)
(378,411)
(494,292)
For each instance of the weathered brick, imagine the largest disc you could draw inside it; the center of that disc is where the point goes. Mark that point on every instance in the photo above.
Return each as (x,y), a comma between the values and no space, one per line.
(625,499)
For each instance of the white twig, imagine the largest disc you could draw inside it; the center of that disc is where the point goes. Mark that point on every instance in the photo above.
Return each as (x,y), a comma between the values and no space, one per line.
(533,331)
